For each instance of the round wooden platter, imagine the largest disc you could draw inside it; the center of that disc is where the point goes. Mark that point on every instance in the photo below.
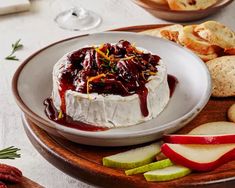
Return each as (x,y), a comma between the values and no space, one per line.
(85,162)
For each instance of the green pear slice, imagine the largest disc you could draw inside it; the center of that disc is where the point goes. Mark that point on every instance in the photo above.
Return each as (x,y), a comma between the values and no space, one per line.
(148,167)
(166,174)
(133,158)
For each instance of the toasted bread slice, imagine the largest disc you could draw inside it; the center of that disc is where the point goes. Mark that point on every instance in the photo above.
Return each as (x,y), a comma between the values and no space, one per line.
(222,72)
(207,57)
(192,41)
(230,51)
(157,32)
(216,34)
(190,4)
(170,35)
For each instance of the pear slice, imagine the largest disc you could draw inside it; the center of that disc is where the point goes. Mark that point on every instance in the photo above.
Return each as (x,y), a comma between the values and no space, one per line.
(166,174)
(133,158)
(148,167)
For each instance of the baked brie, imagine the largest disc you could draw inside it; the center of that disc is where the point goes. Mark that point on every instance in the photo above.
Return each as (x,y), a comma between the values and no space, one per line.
(111,85)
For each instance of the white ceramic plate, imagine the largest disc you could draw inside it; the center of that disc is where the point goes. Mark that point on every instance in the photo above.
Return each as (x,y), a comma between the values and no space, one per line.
(32,84)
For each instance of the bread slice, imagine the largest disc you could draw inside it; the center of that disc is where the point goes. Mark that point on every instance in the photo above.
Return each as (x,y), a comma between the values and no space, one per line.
(157,32)
(170,35)
(222,72)
(190,4)
(207,57)
(230,51)
(192,41)
(216,34)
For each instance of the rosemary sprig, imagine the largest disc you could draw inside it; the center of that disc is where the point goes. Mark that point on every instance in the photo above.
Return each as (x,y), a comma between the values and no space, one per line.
(9,153)
(16,46)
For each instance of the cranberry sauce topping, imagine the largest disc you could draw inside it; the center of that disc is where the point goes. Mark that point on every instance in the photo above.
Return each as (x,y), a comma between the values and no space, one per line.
(118,69)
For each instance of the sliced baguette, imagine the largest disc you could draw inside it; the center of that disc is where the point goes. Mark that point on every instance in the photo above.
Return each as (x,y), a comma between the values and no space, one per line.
(230,51)
(176,28)
(216,34)
(170,35)
(208,57)
(190,4)
(189,39)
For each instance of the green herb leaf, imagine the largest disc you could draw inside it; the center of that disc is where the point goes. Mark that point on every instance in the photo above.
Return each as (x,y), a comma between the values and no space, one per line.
(13,57)
(9,153)
(16,46)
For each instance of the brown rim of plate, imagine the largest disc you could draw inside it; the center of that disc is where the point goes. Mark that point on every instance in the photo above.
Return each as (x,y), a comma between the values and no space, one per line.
(18,99)
(163,8)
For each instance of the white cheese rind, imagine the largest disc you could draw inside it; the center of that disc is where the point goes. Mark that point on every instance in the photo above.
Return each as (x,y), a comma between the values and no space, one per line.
(112,110)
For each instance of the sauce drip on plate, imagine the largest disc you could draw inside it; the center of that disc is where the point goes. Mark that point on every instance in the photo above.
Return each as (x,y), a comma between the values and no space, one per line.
(172,82)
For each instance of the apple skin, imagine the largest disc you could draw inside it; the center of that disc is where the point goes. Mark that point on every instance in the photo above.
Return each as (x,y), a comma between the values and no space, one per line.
(199,139)
(179,159)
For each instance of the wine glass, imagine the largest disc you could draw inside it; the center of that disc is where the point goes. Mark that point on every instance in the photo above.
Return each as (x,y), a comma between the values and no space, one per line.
(77,18)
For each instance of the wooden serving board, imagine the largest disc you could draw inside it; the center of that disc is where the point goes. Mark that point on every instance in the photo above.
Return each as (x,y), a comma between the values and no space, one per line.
(84,162)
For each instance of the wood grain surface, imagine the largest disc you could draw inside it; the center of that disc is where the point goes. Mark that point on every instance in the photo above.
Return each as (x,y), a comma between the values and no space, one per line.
(25,183)
(84,162)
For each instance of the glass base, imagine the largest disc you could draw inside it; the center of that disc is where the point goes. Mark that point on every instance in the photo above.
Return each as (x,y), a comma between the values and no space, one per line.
(78,19)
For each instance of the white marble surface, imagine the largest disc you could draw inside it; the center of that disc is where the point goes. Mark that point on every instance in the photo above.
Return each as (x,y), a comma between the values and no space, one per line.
(37,29)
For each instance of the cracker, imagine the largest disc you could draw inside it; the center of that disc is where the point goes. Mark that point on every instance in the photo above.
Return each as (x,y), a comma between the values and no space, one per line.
(222,72)
(189,39)
(231,113)
(190,4)
(216,34)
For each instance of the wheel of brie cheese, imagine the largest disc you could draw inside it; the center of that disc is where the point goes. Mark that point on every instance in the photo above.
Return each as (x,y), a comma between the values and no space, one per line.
(112,85)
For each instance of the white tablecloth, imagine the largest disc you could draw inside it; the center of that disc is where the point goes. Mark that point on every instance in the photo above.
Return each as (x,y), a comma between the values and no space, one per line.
(37,29)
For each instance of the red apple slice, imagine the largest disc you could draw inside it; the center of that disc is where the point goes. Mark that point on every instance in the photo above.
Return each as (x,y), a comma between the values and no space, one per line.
(214,128)
(199,139)
(220,132)
(199,157)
